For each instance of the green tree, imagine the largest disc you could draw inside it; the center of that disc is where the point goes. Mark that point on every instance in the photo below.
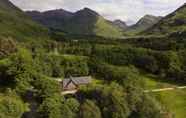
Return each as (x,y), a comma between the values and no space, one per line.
(73,105)
(147,63)
(149,108)
(45,86)
(7,46)
(11,106)
(51,107)
(21,70)
(89,110)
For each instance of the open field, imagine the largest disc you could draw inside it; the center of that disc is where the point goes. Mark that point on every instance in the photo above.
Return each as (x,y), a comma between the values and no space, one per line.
(174,100)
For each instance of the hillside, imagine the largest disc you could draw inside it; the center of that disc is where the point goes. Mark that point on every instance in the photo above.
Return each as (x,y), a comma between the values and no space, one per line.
(144,23)
(82,22)
(173,22)
(76,74)
(14,23)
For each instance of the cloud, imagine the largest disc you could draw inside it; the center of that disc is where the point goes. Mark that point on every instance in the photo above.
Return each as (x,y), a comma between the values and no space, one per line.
(128,10)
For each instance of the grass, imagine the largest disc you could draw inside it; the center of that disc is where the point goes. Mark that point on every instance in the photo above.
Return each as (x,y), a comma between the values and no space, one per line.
(97,81)
(174,101)
(153,82)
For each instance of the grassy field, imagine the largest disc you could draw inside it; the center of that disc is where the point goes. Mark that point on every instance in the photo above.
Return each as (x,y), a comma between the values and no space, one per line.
(174,100)
(152,82)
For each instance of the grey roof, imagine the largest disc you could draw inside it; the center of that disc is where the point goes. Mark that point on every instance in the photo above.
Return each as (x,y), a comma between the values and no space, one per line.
(77,80)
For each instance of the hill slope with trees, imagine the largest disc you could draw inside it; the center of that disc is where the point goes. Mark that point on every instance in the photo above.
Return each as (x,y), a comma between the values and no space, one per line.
(16,24)
(119,69)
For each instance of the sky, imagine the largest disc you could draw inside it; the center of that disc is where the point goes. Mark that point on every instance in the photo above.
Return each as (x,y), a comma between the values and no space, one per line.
(129,11)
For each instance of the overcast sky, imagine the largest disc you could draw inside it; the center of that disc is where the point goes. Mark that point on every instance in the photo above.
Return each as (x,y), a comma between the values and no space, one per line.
(126,10)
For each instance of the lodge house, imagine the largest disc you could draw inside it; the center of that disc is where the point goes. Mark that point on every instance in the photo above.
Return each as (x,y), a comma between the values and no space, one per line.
(71,84)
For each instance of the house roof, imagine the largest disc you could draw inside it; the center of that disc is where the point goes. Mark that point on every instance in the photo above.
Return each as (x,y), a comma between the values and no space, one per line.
(77,80)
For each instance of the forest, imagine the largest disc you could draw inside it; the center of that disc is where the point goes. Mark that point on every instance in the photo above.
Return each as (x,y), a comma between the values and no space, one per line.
(135,73)
(28,71)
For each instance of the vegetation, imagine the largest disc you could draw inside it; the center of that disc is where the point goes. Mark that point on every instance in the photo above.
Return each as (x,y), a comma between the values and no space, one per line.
(177,108)
(174,22)
(14,23)
(82,22)
(122,70)
(11,106)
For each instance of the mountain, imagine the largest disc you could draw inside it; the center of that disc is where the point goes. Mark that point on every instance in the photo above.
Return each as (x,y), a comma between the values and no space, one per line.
(120,24)
(16,24)
(174,22)
(51,19)
(144,23)
(82,22)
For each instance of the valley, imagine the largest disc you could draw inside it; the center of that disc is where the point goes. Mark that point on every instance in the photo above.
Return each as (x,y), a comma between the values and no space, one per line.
(111,70)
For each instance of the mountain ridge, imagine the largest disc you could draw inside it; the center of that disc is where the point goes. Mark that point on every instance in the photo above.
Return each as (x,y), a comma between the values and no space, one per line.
(144,23)
(85,21)
(88,22)
(173,22)
(121,24)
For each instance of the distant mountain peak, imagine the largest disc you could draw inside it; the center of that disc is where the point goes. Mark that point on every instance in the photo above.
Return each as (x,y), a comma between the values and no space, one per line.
(83,22)
(148,15)
(144,23)
(87,11)
(121,24)
(58,11)
(119,21)
(148,19)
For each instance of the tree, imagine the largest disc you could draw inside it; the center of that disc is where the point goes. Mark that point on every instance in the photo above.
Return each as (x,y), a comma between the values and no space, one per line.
(148,108)
(147,63)
(51,107)
(114,103)
(21,70)
(73,105)
(11,106)
(7,46)
(75,66)
(45,86)
(89,110)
